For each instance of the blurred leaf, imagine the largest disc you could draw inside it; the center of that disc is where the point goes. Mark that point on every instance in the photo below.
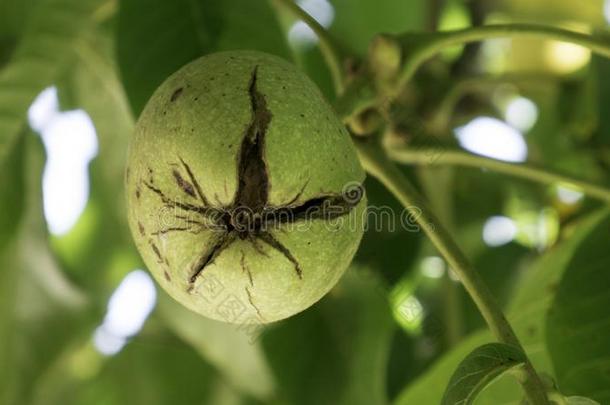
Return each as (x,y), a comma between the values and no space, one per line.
(233,349)
(92,84)
(8,284)
(360,317)
(335,352)
(532,301)
(526,313)
(7,47)
(44,312)
(578,327)
(148,372)
(304,358)
(14,16)
(553,11)
(479,369)
(156,38)
(46,48)
(12,173)
(601,69)
(552,142)
(312,63)
(581,401)
(428,388)
(357,21)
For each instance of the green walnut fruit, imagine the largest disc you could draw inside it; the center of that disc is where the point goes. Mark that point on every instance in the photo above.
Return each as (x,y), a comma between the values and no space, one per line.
(244,190)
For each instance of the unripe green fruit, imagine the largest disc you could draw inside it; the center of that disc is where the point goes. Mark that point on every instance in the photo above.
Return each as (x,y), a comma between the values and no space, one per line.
(244,190)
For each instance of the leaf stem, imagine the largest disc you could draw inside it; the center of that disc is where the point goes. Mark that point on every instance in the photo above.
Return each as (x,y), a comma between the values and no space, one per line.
(422,46)
(328,45)
(437,156)
(376,162)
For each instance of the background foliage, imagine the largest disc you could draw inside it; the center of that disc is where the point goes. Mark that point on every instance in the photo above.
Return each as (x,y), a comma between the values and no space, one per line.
(366,342)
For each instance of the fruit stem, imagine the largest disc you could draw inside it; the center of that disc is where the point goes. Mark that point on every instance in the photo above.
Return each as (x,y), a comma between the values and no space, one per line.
(377,163)
(439,156)
(328,45)
(420,47)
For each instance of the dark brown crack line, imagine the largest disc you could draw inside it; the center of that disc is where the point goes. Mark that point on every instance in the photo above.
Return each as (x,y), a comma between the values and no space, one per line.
(175,229)
(171,203)
(256,245)
(197,228)
(252,303)
(176,94)
(245,268)
(253,189)
(208,258)
(204,200)
(208,212)
(298,195)
(277,245)
(183,184)
(326,208)
(156,250)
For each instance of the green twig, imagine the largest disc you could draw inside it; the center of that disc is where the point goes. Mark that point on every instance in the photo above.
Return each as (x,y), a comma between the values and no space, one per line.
(378,165)
(432,156)
(328,45)
(419,48)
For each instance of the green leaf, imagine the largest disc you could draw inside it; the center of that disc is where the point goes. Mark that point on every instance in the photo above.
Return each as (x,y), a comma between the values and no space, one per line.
(42,312)
(46,47)
(234,350)
(359,315)
(336,352)
(12,173)
(8,337)
(534,296)
(156,38)
(527,314)
(153,371)
(578,324)
(581,401)
(14,16)
(428,388)
(479,369)
(356,22)
(92,83)
(601,70)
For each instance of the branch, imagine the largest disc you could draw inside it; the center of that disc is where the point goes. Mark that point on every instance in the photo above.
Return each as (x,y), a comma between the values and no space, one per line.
(435,157)
(378,165)
(328,45)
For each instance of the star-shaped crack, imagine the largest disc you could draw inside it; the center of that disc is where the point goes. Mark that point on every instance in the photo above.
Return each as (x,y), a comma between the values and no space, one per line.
(249,217)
